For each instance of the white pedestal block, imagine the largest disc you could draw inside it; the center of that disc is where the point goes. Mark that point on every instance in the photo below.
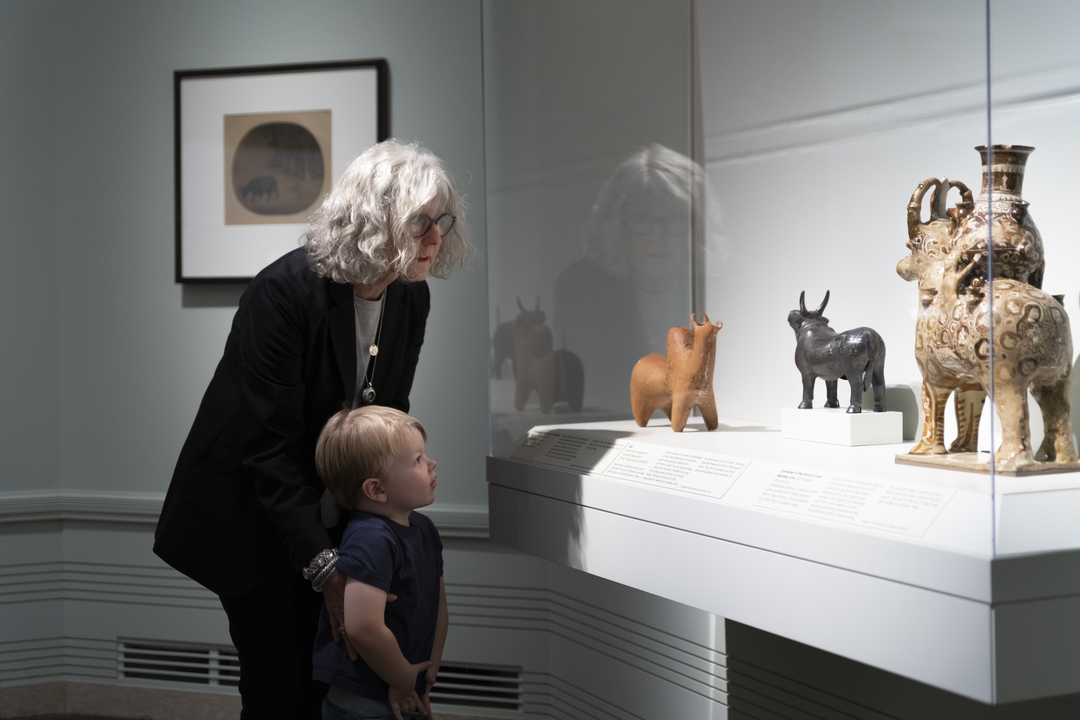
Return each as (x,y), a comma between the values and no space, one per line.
(838,427)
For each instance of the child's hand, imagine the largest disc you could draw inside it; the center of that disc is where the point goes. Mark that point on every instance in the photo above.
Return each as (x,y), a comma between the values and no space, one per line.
(430,675)
(425,701)
(404,698)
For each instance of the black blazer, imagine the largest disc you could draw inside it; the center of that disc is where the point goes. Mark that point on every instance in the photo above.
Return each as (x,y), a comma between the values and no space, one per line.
(245,493)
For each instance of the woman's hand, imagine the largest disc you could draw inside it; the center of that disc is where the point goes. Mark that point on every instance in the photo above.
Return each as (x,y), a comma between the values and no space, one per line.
(404,698)
(334,594)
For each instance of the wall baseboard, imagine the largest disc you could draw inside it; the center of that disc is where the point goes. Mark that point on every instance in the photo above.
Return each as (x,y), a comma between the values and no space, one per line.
(464,521)
(78,581)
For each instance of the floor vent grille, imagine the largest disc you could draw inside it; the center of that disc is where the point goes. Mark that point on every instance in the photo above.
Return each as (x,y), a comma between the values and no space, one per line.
(476,690)
(482,690)
(190,664)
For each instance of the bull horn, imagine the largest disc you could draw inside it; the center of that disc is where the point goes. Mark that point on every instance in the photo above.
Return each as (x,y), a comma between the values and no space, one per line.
(802,302)
(966,205)
(939,200)
(823,304)
(537,303)
(521,307)
(965,192)
(914,207)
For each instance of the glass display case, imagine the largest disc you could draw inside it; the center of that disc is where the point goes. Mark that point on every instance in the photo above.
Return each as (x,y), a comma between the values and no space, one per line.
(588,126)
(658,158)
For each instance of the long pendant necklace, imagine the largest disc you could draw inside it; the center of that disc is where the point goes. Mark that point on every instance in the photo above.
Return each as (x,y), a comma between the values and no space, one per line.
(368,393)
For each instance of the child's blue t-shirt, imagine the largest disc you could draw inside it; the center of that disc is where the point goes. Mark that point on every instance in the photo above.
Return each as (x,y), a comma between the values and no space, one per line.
(403,561)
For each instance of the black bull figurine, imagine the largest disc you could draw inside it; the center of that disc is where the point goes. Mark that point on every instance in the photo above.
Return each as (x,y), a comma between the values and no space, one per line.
(857,356)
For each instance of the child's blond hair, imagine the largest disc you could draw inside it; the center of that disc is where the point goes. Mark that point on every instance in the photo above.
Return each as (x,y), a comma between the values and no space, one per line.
(359,444)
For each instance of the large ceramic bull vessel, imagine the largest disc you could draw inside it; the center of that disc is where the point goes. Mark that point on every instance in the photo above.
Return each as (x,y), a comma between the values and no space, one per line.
(998,218)
(930,243)
(675,383)
(1031,341)
(857,356)
(1032,348)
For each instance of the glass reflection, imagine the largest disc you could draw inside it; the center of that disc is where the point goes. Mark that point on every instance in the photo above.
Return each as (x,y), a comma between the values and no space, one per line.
(589,224)
(617,303)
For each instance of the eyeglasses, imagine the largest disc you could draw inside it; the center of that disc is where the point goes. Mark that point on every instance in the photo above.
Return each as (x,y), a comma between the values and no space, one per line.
(640,222)
(420,224)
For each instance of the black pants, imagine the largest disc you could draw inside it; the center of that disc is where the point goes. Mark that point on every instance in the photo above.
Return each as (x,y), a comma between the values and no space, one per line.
(273,629)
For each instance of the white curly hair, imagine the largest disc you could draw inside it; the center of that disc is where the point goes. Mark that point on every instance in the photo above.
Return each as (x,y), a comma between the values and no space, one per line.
(361,231)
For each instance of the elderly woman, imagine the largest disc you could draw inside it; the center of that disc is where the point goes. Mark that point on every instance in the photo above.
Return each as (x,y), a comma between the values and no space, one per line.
(337,322)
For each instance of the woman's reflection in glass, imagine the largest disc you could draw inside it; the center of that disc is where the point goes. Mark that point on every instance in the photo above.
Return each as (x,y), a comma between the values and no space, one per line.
(617,304)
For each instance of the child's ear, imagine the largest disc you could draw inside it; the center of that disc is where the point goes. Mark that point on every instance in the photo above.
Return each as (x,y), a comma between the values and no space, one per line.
(373,490)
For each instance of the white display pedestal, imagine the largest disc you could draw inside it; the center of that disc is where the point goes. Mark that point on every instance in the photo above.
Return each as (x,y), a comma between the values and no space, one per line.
(838,427)
(837,548)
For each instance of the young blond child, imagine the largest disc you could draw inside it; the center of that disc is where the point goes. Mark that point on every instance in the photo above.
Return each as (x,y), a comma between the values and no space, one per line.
(372,461)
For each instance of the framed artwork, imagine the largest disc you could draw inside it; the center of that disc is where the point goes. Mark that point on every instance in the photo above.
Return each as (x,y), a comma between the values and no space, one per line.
(257,150)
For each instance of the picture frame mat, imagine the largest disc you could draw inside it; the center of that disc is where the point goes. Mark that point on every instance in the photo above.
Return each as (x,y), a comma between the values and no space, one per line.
(212,250)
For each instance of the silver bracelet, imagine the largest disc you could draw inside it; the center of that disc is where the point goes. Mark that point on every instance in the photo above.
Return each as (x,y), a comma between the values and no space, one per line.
(328,556)
(324,575)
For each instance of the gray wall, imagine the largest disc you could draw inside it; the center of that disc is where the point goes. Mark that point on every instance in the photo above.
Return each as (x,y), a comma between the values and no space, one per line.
(105,357)
(29,428)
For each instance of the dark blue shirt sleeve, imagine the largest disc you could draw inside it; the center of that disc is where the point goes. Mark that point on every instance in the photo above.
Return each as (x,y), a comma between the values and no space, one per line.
(369,553)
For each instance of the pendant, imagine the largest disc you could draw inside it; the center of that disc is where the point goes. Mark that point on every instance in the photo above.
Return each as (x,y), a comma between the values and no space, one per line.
(373,350)
(368,394)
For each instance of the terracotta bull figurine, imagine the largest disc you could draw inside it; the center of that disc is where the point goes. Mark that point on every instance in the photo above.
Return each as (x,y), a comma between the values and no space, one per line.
(675,383)
(857,356)
(554,374)
(1032,346)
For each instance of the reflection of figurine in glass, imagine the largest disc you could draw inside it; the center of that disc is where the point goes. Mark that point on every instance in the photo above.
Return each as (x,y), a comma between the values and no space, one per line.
(616,304)
(555,375)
